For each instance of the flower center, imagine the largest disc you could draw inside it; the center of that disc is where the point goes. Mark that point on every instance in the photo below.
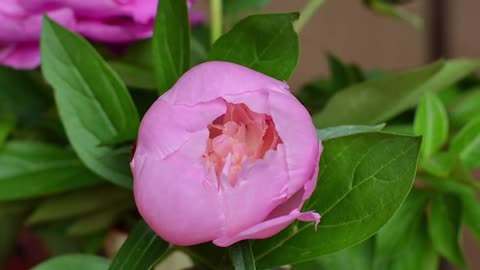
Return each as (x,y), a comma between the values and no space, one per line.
(239,136)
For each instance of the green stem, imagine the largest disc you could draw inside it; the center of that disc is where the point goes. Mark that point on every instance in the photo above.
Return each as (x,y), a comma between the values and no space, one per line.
(307,13)
(216,15)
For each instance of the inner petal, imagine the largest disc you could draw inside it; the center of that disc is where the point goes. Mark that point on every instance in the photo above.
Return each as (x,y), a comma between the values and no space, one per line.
(238,136)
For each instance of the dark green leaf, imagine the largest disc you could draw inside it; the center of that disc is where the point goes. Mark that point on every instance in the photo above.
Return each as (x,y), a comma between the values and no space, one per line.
(431,122)
(444,227)
(466,144)
(266,43)
(235,6)
(363,180)
(141,250)
(171,43)
(78,203)
(359,257)
(242,256)
(200,44)
(403,243)
(401,129)
(343,75)
(94,105)
(30,169)
(340,131)
(376,101)
(471,210)
(74,262)
(7,124)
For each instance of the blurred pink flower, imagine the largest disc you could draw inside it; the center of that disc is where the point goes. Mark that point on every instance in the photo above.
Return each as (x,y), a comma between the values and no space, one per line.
(109,21)
(227,154)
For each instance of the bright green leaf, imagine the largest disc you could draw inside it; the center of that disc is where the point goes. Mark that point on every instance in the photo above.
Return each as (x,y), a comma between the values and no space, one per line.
(77,203)
(431,122)
(30,169)
(74,262)
(363,180)
(171,43)
(444,227)
(242,256)
(340,131)
(266,43)
(94,105)
(439,165)
(376,101)
(142,249)
(466,144)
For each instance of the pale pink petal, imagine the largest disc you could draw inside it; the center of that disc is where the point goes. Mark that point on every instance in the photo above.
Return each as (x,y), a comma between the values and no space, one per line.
(175,197)
(295,127)
(22,56)
(166,127)
(211,80)
(267,228)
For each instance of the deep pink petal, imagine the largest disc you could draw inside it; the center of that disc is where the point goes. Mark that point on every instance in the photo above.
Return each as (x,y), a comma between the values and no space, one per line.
(267,228)
(114,32)
(211,80)
(175,197)
(22,56)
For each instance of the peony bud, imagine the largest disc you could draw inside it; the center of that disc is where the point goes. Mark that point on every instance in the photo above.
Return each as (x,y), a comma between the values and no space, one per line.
(227,154)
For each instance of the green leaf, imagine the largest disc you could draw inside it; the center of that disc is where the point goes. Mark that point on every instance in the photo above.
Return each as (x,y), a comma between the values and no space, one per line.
(376,101)
(444,227)
(466,144)
(340,131)
(431,122)
(343,75)
(439,165)
(135,67)
(400,129)
(12,215)
(99,221)
(466,108)
(363,180)
(94,105)
(171,43)
(30,169)
(360,257)
(236,6)
(142,249)
(403,243)
(471,212)
(266,43)
(77,203)
(74,262)
(7,124)
(242,256)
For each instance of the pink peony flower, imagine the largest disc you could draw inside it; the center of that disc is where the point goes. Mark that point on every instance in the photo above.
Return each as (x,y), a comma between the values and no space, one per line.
(109,21)
(227,154)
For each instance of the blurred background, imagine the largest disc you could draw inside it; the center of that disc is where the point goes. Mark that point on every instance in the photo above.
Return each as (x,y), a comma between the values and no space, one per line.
(357,35)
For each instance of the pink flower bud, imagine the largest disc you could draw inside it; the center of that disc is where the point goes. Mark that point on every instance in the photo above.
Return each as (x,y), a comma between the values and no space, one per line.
(227,154)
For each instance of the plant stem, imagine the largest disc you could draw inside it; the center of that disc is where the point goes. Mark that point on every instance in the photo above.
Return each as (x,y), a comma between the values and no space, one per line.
(216,15)
(307,14)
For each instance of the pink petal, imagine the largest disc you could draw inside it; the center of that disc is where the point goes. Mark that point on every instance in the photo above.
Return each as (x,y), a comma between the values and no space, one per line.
(211,80)
(179,204)
(295,127)
(21,56)
(267,228)
(166,127)
(118,31)
(260,188)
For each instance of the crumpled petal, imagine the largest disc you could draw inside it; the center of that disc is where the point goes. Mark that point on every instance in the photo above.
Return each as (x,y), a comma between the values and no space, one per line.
(268,228)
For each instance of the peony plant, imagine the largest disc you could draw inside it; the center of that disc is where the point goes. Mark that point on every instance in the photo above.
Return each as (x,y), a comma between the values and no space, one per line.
(154,140)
